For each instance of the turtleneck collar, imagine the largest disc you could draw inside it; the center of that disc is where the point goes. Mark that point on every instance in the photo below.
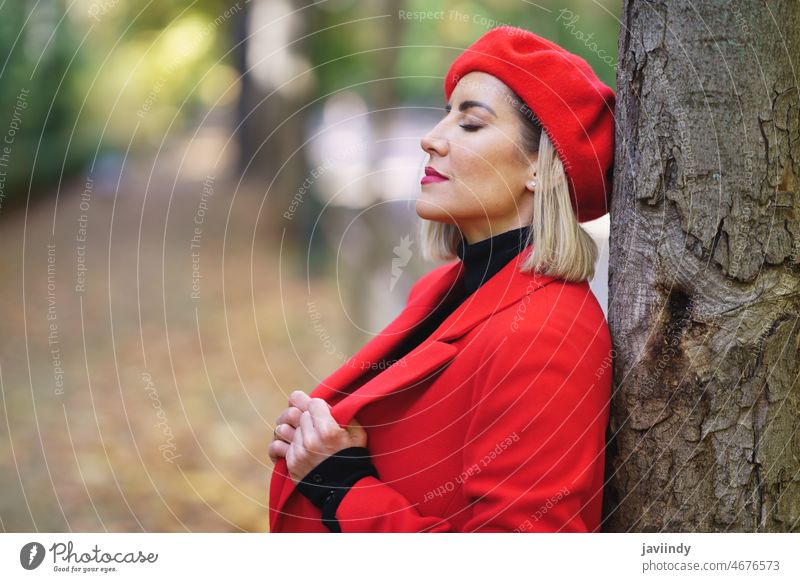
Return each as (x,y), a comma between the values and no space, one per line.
(485,258)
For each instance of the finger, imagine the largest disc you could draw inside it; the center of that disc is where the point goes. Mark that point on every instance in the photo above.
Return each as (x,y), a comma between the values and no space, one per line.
(293,415)
(285,432)
(321,417)
(290,416)
(277,449)
(299,399)
(297,437)
(284,416)
(307,428)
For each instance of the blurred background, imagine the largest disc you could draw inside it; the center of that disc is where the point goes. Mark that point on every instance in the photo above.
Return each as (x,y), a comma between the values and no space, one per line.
(204,206)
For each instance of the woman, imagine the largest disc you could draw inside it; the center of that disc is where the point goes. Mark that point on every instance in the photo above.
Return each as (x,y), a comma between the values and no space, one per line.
(492,414)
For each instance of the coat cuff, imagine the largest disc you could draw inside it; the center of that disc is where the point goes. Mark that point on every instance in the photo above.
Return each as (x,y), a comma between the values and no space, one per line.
(327,483)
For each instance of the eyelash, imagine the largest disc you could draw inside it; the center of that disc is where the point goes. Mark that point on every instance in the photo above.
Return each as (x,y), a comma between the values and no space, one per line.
(466,126)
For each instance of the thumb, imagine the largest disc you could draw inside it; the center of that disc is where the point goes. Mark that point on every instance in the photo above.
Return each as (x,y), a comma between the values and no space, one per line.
(357,432)
(355,427)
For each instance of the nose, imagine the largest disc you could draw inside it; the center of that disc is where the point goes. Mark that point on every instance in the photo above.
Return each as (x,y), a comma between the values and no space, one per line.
(434,144)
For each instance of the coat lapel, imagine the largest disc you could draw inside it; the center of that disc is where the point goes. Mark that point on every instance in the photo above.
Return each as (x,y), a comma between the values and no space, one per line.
(507,287)
(428,358)
(336,387)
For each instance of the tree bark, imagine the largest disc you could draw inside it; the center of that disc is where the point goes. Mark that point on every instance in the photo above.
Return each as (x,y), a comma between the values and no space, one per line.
(704,278)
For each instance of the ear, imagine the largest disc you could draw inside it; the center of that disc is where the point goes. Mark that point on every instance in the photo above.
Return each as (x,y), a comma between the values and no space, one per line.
(531,183)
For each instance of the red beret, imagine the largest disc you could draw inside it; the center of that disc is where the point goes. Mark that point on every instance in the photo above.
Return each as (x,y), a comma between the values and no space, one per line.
(576,109)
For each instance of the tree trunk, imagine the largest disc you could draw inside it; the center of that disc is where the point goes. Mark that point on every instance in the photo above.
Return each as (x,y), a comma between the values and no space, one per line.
(704,276)
(271,118)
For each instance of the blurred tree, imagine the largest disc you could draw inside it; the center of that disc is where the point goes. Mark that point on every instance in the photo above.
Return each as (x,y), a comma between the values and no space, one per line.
(704,274)
(39,98)
(276,83)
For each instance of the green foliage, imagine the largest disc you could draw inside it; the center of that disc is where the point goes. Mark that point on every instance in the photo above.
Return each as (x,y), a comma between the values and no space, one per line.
(101,76)
(433,33)
(39,98)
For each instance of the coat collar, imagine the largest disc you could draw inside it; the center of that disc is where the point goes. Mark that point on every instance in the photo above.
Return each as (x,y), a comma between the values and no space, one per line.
(507,287)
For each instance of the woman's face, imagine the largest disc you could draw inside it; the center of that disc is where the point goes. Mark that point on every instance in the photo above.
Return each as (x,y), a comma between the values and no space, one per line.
(484,182)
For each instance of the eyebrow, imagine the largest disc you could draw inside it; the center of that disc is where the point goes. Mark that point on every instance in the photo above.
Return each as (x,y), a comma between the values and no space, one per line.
(464,105)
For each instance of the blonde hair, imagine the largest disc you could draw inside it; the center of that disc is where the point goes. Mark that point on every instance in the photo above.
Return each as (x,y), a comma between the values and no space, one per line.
(561,247)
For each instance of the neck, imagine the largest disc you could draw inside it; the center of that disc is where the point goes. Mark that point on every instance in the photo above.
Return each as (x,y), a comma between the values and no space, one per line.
(484,258)
(474,233)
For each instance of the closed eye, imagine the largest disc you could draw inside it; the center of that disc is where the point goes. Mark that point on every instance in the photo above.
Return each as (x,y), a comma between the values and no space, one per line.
(465,126)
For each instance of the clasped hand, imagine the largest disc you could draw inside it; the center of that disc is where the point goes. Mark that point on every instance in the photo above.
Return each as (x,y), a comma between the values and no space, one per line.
(306,434)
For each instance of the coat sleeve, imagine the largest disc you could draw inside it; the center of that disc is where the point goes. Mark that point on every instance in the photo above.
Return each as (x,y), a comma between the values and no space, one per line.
(533,454)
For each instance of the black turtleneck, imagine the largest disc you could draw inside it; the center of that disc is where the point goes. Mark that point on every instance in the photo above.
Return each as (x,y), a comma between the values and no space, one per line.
(326,485)
(483,259)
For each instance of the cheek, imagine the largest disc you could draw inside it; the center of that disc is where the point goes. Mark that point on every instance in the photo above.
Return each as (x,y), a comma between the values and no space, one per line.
(491,170)
(490,157)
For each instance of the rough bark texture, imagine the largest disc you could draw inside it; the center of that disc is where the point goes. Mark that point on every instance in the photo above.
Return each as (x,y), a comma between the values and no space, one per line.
(704,275)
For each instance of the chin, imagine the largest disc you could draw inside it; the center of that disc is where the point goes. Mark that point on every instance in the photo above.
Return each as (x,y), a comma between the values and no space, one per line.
(432,211)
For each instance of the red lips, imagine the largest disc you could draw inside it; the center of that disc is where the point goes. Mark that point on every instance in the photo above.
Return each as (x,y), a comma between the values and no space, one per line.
(432,175)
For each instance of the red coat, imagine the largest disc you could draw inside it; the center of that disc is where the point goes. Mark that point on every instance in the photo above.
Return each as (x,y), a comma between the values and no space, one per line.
(496,422)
